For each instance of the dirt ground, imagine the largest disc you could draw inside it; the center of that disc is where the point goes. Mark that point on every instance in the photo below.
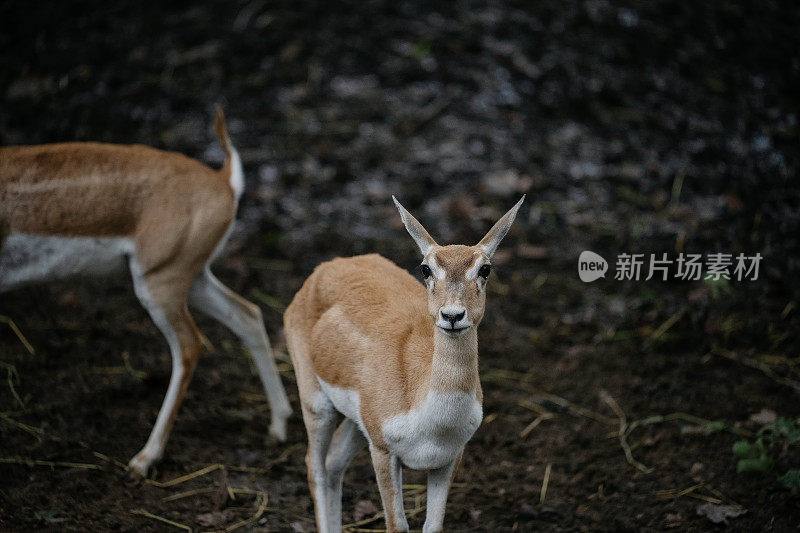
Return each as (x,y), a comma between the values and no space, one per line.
(632,127)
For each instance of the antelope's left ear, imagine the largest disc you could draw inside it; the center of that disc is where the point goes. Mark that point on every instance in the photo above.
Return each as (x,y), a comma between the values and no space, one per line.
(491,240)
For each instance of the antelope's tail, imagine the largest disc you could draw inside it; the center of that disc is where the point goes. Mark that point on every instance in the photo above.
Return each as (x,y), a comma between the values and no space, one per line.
(233,161)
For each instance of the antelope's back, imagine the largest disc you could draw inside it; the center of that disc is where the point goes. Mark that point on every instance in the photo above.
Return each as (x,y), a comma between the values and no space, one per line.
(95,189)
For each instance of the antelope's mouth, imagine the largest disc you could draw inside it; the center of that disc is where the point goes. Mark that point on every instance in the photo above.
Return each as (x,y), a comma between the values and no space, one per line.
(453,331)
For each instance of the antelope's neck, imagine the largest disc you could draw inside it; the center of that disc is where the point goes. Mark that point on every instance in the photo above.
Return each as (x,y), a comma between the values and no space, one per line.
(454,367)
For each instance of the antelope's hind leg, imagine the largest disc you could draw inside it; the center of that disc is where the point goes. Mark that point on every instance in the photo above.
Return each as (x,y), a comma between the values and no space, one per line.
(347,442)
(320,420)
(164,298)
(319,417)
(244,319)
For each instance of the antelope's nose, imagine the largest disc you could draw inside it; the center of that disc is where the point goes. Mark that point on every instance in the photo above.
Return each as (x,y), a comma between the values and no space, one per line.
(453,315)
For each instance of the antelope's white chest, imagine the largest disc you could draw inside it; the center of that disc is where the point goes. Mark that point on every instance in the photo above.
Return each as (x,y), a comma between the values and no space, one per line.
(431,435)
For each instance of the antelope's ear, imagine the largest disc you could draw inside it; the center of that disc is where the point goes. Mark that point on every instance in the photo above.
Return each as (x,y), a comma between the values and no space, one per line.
(491,240)
(415,229)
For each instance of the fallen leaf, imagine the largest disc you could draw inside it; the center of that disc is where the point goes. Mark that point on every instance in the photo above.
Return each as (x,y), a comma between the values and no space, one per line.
(719,514)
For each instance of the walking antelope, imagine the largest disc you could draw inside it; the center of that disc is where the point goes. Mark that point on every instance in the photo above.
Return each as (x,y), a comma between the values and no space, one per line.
(90,208)
(400,363)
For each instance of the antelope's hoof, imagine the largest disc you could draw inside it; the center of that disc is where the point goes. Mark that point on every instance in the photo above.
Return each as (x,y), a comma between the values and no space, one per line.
(278,429)
(139,465)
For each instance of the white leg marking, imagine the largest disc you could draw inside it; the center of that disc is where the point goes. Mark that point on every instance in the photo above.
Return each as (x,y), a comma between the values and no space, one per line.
(347,442)
(438,486)
(397,485)
(211,297)
(154,448)
(320,423)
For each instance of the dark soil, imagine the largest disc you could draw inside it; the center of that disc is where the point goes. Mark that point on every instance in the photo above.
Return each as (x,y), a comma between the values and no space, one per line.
(637,127)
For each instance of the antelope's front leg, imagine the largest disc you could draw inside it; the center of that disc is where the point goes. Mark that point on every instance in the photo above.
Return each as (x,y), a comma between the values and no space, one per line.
(438,486)
(389,472)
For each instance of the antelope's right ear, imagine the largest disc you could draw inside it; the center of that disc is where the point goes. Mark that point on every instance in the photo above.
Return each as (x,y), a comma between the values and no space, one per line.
(415,229)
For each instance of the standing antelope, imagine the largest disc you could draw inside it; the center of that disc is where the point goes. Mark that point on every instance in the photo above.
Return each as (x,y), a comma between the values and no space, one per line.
(401,365)
(90,208)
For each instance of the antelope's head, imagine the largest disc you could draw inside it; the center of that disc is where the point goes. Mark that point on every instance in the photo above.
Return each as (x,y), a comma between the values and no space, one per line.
(456,275)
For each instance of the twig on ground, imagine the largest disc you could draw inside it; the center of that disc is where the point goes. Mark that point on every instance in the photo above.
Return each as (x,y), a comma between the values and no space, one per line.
(758,365)
(38,462)
(262,506)
(187,477)
(6,320)
(11,377)
(622,434)
(147,514)
(111,460)
(692,419)
(205,490)
(536,421)
(545,481)
(488,419)
(126,368)
(668,323)
(625,428)
(671,494)
(138,375)
(187,494)
(36,432)
(572,407)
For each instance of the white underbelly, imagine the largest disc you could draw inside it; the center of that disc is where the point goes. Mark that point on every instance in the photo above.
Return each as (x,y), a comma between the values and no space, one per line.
(26,258)
(432,435)
(346,401)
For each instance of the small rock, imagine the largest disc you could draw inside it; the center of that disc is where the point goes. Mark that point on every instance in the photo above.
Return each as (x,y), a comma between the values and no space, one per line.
(210,519)
(763,417)
(364,508)
(303,527)
(719,514)
(673,520)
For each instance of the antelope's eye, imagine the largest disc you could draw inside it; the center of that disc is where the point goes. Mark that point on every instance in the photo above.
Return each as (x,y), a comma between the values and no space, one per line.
(426,271)
(484,271)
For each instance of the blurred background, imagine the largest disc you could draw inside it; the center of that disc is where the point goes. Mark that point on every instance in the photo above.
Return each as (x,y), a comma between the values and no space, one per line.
(633,127)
